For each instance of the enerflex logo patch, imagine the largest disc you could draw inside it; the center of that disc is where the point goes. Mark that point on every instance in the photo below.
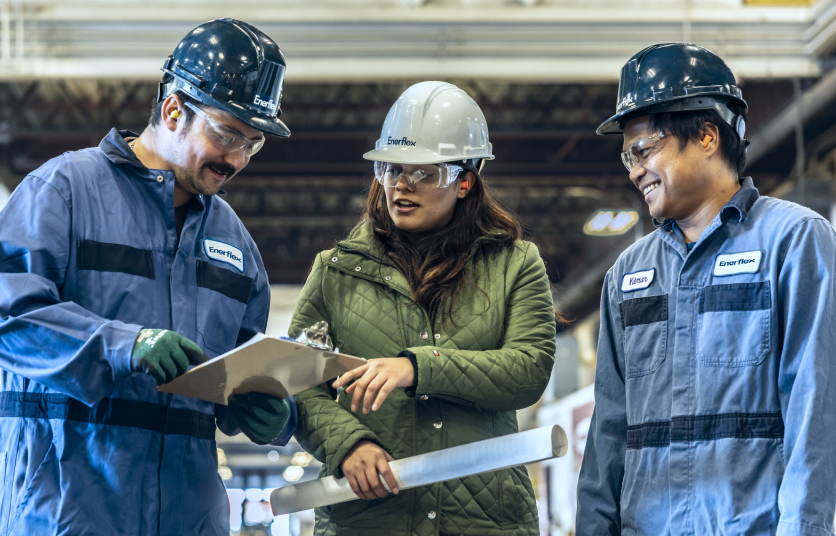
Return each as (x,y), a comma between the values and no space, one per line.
(224,253)
(738,263)
(637,280)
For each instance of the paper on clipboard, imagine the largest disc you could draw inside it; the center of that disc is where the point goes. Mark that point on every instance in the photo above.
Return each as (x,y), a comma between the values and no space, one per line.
(264,364)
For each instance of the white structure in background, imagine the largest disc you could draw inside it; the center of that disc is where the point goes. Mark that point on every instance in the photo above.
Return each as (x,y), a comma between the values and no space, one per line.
(4,195)
(282,303)
(341,41)
(559,477)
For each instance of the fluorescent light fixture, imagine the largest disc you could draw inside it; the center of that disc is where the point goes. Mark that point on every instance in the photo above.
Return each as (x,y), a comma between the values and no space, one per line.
(610,222)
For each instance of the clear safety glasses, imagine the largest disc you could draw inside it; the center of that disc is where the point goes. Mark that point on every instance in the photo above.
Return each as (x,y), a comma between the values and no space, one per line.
(225,138)
(641,150)
(424,177)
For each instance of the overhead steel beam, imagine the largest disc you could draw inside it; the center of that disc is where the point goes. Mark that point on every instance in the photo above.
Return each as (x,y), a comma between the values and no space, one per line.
(810,103)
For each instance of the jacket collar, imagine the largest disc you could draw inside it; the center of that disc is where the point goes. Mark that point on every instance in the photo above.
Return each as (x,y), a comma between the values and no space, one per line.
(117,150)
(739,205)
(362,240)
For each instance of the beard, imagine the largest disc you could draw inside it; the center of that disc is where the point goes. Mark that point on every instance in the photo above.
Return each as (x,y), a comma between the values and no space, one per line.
(198,183)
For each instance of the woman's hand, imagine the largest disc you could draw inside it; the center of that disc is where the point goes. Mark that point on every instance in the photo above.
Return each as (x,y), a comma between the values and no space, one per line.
(377,377)
(362,466)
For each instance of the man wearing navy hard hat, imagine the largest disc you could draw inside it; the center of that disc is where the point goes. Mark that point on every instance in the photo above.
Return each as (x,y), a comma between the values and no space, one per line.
(714,397)
(120,267)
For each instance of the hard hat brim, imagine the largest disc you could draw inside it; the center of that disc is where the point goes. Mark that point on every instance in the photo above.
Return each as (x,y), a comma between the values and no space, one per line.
(266,124)
(415,156)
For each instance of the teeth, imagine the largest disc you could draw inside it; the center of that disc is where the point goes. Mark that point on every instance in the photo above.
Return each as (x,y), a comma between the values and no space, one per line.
(650,188)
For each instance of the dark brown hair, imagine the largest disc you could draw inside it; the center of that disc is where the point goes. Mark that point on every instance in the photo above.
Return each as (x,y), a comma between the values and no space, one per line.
(434,265)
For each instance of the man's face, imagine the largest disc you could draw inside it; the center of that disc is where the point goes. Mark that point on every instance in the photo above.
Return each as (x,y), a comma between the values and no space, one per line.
(200,166)
(673,182)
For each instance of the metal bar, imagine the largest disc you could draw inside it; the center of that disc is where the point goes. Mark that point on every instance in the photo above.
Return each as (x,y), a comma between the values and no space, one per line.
(466,460)
(810,103)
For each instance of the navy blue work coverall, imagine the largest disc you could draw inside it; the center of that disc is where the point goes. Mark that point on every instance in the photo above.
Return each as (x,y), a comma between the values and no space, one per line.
(715,388)
(88,257)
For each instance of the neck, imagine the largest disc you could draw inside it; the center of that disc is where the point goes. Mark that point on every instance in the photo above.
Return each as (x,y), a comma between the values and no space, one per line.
(147,149)
(694,225)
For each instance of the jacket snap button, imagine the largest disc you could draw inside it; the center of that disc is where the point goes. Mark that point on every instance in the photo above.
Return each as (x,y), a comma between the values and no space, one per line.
(388,278)
(425,335)
(423,397)
(357,269)
(334,259)
(431,515)
(438,424)
(160,178)
(437,335)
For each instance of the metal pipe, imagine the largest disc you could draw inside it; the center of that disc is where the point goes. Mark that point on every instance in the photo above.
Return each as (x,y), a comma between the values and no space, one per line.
(457,462)
(783,123)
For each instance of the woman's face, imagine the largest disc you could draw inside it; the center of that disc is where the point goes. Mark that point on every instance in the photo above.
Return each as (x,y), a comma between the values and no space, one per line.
(423,208)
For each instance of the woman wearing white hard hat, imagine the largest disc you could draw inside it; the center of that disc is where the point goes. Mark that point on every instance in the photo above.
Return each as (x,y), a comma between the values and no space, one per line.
(453,310)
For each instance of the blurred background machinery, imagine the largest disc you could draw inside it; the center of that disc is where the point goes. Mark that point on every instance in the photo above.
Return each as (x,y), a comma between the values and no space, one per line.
(545,72)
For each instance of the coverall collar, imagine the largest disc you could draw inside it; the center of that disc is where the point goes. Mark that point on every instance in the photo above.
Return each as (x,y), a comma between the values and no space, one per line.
(118,151)
(742,202)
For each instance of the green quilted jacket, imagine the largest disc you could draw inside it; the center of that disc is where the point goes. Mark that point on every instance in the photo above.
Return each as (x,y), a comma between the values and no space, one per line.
(471,380)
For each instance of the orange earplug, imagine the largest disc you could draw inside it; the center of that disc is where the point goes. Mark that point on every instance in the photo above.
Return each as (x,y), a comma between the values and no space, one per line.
(465,184)
(706,140)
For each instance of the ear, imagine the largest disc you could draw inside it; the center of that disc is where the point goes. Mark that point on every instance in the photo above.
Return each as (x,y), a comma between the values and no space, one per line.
(710,139)
(470,179)
(172,112)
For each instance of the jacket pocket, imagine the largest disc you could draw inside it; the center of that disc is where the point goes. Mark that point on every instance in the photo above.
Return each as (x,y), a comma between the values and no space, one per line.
(222,297)
(644,323)
(733,324)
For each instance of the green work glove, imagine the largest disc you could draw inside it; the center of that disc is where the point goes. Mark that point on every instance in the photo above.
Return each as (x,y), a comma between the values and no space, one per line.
(164,354)
(262,417)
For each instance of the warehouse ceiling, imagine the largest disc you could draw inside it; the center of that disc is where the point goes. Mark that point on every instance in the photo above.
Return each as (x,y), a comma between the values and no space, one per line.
(544,72)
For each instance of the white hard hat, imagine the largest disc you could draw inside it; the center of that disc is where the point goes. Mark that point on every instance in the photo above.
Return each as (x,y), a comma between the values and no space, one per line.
(430,123)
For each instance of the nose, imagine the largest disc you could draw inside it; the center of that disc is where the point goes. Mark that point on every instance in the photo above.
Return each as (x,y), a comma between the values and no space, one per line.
(237,159)
(637,173)
(403,184)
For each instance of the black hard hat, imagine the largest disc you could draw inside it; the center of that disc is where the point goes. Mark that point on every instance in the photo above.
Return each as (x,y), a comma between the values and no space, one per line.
(231,65)
(677,77)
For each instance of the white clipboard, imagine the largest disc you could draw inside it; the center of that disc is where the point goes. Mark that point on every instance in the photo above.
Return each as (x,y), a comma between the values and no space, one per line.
(264,364)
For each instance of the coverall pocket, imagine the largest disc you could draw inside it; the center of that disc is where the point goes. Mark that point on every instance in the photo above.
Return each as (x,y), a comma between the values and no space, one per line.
(222,297)
(644,323)
(733,324)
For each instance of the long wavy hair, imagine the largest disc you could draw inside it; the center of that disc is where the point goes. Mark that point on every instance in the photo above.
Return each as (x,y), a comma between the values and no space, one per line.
(435,264)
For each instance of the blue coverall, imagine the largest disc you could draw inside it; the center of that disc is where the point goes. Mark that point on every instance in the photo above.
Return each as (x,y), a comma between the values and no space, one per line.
(715,387)
(87,259)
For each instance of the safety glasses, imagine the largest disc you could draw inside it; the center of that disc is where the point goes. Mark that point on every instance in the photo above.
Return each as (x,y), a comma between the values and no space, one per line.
(641,150)
(225,138)
(425,177)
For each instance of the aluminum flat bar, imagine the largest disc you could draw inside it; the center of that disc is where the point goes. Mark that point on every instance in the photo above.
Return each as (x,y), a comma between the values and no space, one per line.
(457,462)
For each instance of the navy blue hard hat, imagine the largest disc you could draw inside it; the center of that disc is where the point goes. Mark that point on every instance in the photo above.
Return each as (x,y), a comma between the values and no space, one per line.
(677,77)
(231,65)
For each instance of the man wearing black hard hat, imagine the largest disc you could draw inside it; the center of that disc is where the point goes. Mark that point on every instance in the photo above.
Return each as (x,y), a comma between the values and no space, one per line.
(120,267)
(714,384)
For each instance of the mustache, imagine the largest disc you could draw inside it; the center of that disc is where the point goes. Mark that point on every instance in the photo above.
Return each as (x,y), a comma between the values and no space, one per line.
(222,168)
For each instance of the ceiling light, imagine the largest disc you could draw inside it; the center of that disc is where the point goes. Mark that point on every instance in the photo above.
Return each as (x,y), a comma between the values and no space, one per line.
(610,222)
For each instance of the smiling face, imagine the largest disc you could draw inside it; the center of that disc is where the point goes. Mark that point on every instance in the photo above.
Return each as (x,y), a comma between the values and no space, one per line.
(199,165)
(675,183)
(422,209)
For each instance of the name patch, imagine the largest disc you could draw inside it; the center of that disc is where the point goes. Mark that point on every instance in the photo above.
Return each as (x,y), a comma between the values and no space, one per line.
(738,263)
(224,253)
(637,280)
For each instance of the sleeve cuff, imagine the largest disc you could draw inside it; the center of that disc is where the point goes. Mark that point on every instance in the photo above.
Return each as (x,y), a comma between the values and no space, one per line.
(410,391)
